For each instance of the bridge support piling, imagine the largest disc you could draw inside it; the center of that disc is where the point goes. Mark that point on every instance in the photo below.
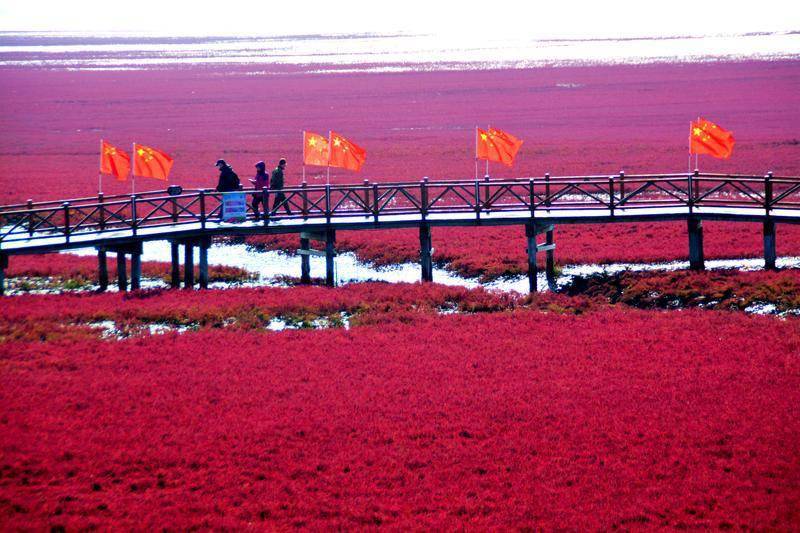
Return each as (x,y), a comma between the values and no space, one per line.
(102,269)
(770,251)
(530,233)
(426,260)
(204,243)
(188,265)
(305,260)
(3,267)
(122,272)
(696,258)
(136,268)
(175,253)
(550,268)
(330,253)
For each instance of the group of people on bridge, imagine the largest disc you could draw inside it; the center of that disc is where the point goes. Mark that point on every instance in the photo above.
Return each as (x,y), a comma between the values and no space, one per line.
(229,182)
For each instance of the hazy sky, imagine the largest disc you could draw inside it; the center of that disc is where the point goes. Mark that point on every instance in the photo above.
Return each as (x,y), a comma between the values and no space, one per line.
(534,18)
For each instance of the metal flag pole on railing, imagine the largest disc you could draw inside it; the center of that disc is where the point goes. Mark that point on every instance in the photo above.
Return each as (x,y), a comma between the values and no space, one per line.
(690,147)
(488,129)
(330,145)
(304,155)
(697,156)
(100,172)
(133,169)
(476,152)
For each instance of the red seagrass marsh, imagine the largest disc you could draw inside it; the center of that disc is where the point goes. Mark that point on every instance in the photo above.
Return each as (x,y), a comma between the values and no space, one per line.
(640,396)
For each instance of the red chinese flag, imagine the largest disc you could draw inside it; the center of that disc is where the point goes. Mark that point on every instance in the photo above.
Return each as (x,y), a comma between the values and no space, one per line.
(151,162)
(315,149)
(345,154)
(497,145)
(114,161)
(707,138)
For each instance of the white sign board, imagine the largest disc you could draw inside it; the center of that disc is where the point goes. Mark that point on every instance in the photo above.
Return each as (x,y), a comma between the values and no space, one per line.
(234,207)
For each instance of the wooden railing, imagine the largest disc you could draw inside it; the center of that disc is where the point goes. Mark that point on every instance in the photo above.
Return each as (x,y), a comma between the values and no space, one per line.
(425,198)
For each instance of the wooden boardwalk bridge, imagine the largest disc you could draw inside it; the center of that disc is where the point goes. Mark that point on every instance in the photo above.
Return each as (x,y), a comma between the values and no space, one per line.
(190,218)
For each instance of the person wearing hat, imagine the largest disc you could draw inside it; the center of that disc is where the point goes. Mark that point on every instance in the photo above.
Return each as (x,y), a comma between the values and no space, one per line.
(260,182)
(228,180)
(276,185)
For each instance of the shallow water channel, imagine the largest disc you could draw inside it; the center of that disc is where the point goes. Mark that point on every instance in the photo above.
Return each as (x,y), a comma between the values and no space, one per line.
(273,266)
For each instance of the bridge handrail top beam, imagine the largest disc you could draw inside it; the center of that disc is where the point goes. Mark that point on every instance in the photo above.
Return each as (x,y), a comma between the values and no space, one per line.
(161,195)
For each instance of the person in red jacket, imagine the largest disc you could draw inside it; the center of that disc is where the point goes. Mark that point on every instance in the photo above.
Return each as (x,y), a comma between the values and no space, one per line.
(260,181)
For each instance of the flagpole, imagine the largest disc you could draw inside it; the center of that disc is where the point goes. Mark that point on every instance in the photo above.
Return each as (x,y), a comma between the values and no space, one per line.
(690,147)
(328,179)
(133,169)
(304,156)
(100,173)
(487,159)
(697,156)
(476,152)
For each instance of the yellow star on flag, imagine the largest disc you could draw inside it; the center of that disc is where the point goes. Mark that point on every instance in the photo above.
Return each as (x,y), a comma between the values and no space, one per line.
(312,141)
(337,141)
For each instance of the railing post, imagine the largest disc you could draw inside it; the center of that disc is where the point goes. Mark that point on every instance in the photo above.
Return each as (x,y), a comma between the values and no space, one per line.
(426,260)
(366,197)
(611,194)
(265,197)
(423,197)
(203,209)
(304,189)
(305,260)
(102,210)
(530,238)
(102,269)
(328,203)
(477,200)
(122,275)
(770,250)
(486,193)
(30,218)
(375,202)
(691,189)
(547,189)
(550,257)
(133,214)
(174,210)
(203,245)
(3,267)
(188,264)
(330,254)
(621,187)
(531,197)
(768,192)
(175,264)
(65,206)
(136,266)
(696,256)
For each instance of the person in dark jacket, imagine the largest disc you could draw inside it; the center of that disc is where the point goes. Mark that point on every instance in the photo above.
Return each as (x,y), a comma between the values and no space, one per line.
(276,185)
(228,180)
(260,181)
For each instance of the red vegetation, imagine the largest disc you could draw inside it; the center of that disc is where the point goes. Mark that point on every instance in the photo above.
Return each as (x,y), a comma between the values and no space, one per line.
(84,268)
(720,289)
(52,316)
(574,120)
(611,418)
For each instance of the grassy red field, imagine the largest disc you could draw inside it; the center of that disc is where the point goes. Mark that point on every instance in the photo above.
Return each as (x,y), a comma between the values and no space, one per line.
(574,120)
(548,413)
(609,418)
